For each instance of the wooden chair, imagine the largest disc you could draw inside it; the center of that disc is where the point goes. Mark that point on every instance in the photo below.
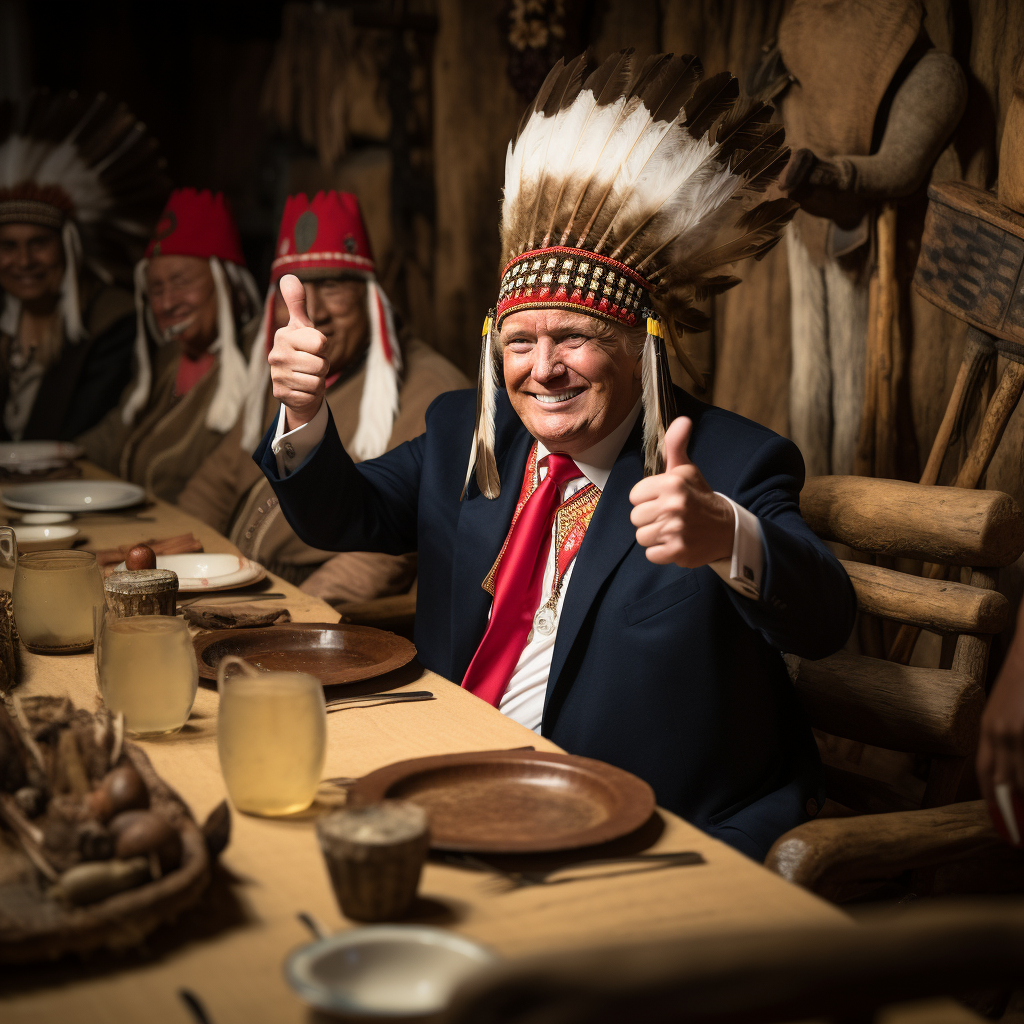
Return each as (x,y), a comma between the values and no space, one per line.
(930,712)
(842,973)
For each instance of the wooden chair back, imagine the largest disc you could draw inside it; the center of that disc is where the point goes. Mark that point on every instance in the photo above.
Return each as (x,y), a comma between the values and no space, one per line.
(933,712)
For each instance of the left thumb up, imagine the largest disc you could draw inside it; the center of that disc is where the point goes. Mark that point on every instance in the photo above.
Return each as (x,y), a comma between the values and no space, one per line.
(677,440)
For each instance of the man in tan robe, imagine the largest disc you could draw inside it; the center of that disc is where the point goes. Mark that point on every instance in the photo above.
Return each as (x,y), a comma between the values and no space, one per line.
(197,308)
(375,407)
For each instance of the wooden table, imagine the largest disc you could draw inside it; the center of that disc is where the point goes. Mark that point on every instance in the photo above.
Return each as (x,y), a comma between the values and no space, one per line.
(231,950)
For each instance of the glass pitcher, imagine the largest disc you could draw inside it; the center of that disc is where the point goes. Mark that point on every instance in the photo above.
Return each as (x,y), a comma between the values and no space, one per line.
(271,737)
(55,593)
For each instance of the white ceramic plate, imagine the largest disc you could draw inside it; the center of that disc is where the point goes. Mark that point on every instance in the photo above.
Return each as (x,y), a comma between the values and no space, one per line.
(44,538)
(202,572)
(73,496)
(26,456)
(394,971)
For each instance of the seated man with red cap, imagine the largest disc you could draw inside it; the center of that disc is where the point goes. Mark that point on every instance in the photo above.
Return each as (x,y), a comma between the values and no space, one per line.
(196,315)
(72,222)
(377,387)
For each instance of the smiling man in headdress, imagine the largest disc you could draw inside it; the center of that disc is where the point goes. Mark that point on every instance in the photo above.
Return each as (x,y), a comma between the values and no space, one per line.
(75,209)
(378,388)
(197,313)
(619,579)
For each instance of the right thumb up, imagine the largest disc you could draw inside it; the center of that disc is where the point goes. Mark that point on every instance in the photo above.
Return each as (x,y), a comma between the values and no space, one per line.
(294,294)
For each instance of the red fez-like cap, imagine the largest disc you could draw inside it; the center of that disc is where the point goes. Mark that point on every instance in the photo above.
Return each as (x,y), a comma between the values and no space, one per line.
(327,234)
(197,224)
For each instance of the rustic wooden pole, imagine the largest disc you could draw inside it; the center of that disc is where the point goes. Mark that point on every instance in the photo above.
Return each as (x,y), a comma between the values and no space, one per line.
(1000,409)
(885,416)
(978,350)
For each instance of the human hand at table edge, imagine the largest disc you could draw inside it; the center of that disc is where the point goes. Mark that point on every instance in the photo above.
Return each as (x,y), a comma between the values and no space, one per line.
(298,360)
(679,518)
(1001,747)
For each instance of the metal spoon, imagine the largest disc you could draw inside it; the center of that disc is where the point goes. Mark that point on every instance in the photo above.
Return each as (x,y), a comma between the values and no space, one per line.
(195,1006)
(317,930)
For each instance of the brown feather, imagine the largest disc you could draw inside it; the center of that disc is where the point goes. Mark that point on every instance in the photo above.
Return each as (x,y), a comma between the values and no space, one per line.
(671,86)
(761,226)
(564,91)
(542,96)
(681,354)
(611,78)
(712,98)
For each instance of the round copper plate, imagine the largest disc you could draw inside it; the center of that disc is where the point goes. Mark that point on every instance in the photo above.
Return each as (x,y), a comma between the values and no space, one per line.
(514,801)
(334,652)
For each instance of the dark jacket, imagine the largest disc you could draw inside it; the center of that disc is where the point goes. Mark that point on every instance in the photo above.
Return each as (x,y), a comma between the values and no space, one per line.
(666,672)
(87,379)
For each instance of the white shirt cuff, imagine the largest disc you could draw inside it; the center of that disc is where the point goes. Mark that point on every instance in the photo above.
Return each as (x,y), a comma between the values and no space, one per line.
(294,447)
(743,571)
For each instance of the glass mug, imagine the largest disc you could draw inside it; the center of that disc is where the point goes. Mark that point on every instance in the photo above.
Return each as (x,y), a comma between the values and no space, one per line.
(146,668)
(55,593)
(271,737)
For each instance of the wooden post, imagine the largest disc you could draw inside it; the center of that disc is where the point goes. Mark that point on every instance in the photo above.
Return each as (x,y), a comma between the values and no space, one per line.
(142,592)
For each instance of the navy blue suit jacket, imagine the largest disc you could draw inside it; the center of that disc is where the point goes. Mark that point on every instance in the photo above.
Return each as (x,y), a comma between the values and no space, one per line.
(666,672)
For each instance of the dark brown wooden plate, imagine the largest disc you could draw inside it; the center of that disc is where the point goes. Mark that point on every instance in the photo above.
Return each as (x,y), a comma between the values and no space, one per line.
(334,652)
(514,801)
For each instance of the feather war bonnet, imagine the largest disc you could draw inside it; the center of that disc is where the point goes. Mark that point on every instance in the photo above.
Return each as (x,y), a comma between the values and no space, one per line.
(628,191)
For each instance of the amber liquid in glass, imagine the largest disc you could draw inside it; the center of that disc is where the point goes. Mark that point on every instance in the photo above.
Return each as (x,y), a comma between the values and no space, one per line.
(146,668)
(55,593)
(272,740)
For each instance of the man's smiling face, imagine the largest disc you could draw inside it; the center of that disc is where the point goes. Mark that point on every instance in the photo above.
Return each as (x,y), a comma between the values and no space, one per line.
(571,379)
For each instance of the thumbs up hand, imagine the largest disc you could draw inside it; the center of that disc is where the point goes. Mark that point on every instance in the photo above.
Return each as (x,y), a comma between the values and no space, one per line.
(679,518)
(298,361)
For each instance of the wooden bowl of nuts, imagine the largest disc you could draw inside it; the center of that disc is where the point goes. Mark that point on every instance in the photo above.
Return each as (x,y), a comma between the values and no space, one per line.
(96,850)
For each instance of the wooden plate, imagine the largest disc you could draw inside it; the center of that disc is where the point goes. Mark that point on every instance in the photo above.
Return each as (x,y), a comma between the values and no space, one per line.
(334,652)
(514,801)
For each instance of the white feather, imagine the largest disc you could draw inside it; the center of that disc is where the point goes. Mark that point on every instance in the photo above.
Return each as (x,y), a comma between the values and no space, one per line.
(258,378)
(226,404)
(487,387)
(378,405)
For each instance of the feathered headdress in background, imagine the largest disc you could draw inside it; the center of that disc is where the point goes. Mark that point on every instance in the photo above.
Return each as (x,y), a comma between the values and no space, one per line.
(627,191)
(88,169)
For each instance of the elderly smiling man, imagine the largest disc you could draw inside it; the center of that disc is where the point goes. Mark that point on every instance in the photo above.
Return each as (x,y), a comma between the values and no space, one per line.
(625,589)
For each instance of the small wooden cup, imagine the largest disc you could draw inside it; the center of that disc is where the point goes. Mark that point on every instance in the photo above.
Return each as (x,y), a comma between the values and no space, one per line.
(141,592)
(375,856)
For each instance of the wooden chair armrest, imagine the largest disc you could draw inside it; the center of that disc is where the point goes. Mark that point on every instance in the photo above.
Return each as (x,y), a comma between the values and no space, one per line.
(951,525)
(900,707)
(822,854)
(937,605)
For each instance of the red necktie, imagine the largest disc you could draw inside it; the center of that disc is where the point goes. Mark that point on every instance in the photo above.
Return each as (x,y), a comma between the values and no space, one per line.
(517,585)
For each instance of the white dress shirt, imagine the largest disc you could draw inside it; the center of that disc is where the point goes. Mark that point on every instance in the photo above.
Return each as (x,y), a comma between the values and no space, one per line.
(523,700)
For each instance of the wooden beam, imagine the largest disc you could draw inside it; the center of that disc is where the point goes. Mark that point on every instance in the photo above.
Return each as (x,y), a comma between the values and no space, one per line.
(936,605)
(828,851)
(935,524)
(919,710)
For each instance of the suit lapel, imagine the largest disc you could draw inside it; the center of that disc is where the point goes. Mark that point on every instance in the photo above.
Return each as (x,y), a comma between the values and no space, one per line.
(608,539)
(481,531)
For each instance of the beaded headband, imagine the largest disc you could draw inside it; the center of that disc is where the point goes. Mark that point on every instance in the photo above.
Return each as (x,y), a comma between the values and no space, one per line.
(566,278)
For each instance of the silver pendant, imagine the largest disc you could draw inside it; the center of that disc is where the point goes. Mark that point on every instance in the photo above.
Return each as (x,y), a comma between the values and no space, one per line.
(544,621)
